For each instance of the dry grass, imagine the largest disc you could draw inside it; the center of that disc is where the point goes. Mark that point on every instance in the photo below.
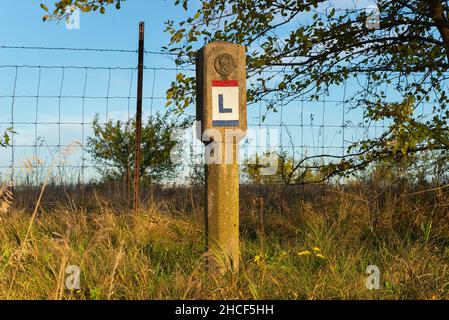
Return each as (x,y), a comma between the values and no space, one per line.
(158,254)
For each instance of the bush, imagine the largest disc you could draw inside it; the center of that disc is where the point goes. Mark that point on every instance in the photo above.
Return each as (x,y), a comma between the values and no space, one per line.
(112,146)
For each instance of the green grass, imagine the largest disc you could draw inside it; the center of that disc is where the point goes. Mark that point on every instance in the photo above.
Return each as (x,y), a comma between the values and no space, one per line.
(158,254)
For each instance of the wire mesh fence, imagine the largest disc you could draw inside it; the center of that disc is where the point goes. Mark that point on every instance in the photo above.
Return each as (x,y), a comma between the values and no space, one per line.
(51,107)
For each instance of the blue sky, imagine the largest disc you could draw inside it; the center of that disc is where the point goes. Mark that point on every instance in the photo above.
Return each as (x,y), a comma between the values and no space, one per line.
(21,25)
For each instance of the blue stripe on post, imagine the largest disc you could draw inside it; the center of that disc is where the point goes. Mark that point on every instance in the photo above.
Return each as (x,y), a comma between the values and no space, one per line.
(221,107)
(226,123)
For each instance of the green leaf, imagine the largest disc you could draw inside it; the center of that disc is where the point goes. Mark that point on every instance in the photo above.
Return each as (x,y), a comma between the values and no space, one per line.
(197,15)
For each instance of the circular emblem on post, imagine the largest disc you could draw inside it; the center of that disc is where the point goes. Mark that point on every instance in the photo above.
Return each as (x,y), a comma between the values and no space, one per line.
(225,64)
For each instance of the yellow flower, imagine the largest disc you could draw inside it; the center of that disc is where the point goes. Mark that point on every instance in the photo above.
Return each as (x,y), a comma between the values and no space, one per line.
(304,253)
(258,259)
(319,255)
(316,249)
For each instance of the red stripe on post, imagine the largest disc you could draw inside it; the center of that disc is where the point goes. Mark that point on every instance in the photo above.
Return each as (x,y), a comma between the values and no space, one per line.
(225,83)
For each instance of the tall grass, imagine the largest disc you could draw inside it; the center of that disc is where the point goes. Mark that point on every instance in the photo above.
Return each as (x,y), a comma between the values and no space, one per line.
(307,243)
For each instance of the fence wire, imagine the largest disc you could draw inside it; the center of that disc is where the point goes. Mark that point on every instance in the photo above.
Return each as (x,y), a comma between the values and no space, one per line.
(48,107)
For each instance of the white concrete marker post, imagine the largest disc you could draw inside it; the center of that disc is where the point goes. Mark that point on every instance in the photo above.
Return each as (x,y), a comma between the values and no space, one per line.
(222,120)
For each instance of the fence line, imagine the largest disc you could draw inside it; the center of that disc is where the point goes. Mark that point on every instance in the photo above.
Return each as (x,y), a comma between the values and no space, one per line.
(100,50)
(43,119)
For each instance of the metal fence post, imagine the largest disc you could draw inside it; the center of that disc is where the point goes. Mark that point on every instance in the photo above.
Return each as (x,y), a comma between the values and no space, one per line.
(139,116)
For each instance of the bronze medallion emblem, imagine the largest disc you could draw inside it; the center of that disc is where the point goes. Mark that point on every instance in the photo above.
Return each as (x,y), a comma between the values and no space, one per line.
(225,64)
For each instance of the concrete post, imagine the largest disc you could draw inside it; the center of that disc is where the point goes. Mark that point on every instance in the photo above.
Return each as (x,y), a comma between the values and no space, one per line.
(222,123)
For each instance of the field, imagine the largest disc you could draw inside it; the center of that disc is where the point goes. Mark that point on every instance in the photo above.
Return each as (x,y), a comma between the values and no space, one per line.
(305,243)
(332,115)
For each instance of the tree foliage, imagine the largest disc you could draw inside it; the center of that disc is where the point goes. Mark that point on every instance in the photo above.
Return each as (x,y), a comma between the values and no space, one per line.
(315,45)
(284,173)
(63,8)
(113,147)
